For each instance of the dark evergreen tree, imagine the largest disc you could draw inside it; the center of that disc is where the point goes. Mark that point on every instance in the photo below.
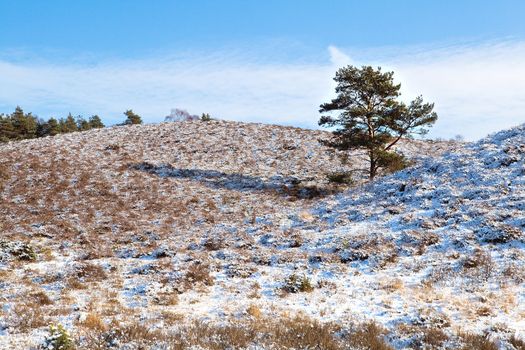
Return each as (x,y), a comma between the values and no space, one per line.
(69,125)
(132,118)
(95,122)
(53,128)
(62,124)
(41,129)
(7,130)
(25,125)
(82,124)
(371,118)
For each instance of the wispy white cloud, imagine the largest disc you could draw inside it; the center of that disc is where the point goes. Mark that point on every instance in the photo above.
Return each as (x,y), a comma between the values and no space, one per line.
(477,88)
(229,88)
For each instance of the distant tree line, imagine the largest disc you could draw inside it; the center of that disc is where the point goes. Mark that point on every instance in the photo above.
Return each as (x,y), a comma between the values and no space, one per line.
(20,126)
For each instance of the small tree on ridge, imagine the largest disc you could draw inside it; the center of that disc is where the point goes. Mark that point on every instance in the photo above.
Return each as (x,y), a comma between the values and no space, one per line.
(132,118)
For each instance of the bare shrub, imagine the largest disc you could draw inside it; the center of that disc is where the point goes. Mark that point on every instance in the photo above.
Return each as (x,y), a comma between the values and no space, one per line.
(478,342)
(90,272)
(514,272)
(479,264)
(41,298)
(177,115)
(434,337)
(519,344)
(27,316)
(297,332)
(197,273)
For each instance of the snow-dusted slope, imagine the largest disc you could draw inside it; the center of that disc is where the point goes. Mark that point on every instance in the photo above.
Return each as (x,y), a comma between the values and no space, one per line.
(212,220)
(442,242)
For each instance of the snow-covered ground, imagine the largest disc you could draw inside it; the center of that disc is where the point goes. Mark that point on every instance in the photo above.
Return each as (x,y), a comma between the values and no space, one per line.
(207,220)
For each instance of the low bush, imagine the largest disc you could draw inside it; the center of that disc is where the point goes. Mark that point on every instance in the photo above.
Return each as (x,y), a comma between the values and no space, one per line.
(478,342)
(340,178)
(197,273)
(19,250)
(58,339)
(479,264)
(296,284)
(519,344)
(434,337)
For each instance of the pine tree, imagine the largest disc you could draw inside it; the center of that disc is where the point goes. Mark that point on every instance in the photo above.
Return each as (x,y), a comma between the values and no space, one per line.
(371,118)
(25,125)
(53,128)
(41,128)
(69,125)
(95,122)
(132,118)
(62,125)
(205,117)
(7,130)
(82,124)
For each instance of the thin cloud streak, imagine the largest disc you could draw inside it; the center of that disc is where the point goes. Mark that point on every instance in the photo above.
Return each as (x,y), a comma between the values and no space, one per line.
(477,89)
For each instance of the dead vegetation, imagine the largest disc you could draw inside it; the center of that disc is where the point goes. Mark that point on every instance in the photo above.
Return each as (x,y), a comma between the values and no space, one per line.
(296,332)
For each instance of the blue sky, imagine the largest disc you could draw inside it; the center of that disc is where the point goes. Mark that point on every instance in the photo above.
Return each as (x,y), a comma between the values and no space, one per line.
(267,61)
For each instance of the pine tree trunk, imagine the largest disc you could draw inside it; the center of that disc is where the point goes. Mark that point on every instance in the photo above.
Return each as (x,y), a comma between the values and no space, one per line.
(373,169)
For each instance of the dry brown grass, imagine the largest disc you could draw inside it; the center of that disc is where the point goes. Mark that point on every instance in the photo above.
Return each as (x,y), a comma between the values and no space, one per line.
(369,336)
(296,332)
(434,337)
(518,343)
(392,285)
(40,297)
(514,272)
(167,298)
(93,322)
(197,273)
(27,316)
(477,342)
(254,311)
(479,265)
